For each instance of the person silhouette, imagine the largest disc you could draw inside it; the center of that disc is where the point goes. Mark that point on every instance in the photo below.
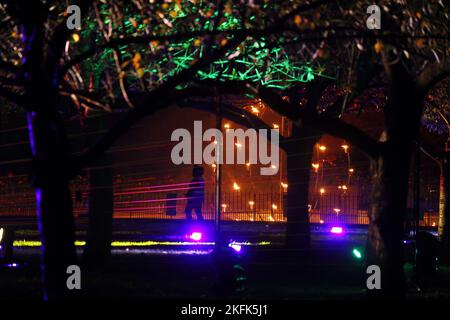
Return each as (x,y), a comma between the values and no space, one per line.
(195,194)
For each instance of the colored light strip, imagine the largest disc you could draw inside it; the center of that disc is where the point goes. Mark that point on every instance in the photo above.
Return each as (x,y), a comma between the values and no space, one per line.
(29,243)
(165,252)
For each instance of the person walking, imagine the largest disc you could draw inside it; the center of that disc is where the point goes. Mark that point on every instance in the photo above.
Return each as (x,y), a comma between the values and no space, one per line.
(195,194)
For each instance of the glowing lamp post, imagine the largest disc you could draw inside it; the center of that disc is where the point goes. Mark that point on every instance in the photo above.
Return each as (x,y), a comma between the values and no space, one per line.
(345,147)
(255,110)
(316,167)
(322,148)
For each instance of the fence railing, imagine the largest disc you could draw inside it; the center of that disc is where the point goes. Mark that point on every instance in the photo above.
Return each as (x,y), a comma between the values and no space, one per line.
(17,199)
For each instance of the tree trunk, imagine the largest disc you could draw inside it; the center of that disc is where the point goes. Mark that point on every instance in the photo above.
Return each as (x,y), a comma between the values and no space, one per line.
(444,205)
(299,156)
(385,248)
(390,173)
(53,201)
(101,199)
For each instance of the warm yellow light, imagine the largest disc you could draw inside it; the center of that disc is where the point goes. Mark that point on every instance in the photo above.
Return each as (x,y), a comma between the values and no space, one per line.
(322,190)
(315,166)
(322,148)
(238,144)
(284,185)
(227,126)
(337,210)
(224,205)
(248,164)
(351,170)
(271,218)
(344,187)
(252,203)
(255,110)
(273,166)
(75,37)
(345,147)
(1,234)
(236,186)
(275,126)
(274,206)
(321,221)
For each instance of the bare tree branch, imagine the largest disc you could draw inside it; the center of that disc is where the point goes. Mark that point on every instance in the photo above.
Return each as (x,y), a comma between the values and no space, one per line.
(432,75)
(61,34)
(11,96)
(232,113)
(300,116)
(323,122)
(277,27)
(156,100)
(8,67)
(10,81)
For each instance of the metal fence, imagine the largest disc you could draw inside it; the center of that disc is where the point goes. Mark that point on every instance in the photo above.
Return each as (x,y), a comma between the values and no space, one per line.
(133,201)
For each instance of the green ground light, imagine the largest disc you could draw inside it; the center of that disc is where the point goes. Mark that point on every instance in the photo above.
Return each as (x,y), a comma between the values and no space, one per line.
(356,253)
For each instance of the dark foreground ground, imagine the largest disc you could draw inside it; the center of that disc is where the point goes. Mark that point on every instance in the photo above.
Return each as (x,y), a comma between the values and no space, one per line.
(328,271)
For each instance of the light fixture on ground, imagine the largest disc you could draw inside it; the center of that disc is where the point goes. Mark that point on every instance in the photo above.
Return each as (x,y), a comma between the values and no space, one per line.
(235,246)
(356,253)
(196,236)
(337,230)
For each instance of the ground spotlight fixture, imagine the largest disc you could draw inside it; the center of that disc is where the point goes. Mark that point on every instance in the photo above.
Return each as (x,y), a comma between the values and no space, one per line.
(196,236)
(356,253)
(235,246)
(337,230)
